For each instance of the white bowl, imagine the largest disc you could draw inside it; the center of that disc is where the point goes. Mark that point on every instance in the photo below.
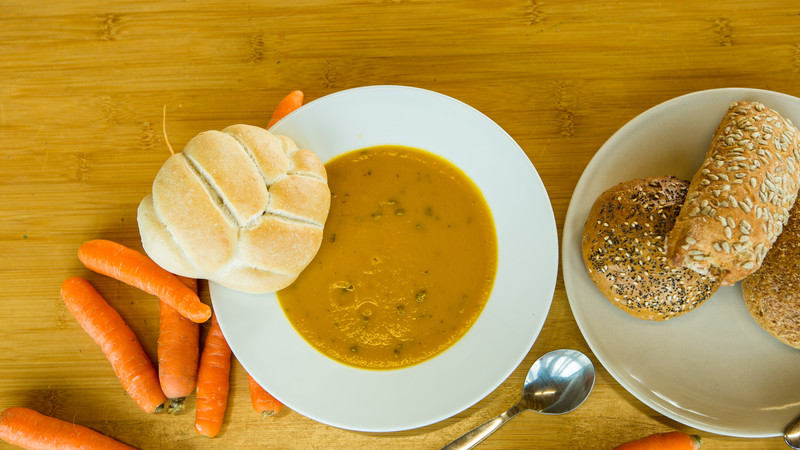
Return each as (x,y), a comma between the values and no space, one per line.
(367,400)
(714,368)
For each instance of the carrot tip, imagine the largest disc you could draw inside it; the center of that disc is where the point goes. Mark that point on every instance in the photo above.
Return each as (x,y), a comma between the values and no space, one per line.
(175,405)
(671,439)
(265,414)
(164,129)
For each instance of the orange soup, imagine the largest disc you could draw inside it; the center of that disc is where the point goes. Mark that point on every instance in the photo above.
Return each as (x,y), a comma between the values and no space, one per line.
(406,265)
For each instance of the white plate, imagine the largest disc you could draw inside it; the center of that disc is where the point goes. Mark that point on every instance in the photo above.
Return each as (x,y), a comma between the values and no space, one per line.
(322,389)
(713,369)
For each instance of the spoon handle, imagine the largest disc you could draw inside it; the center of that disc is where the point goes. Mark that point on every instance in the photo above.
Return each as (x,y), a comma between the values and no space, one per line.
(476,435)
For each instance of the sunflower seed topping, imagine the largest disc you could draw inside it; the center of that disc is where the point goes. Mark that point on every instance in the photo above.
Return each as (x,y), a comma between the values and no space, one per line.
(748,182)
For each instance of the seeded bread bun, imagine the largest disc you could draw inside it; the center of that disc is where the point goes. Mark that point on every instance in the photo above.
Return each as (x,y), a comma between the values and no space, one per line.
(241,207)
(772,293)
(740,198)
(625,255)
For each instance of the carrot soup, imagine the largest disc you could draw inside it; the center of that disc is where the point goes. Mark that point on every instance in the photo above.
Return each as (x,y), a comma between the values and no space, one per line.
(407,262)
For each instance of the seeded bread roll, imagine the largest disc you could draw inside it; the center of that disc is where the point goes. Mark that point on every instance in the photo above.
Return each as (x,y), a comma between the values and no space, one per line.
(772,293)
(625,255)
(240,207)
(740,198)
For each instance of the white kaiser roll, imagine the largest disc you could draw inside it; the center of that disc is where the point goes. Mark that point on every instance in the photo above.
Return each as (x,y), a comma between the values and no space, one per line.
(240,207)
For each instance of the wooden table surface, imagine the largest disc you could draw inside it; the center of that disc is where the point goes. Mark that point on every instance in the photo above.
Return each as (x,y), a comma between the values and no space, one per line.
(82,86)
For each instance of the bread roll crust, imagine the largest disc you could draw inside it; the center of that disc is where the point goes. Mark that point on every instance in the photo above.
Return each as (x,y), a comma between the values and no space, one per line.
(624,250)
(279,244)
(197,222)
(240,207)
(300,197)
(155,236)
(772,293)
(226,167)
(269,152)
(739,200)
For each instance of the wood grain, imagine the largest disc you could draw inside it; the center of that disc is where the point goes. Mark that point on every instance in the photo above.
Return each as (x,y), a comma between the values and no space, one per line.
(83,86)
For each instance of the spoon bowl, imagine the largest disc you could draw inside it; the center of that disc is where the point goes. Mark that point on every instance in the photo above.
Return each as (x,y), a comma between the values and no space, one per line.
(557,383)
(792,433)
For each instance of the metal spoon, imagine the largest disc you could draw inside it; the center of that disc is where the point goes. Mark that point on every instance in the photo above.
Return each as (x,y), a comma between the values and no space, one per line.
(792,433)
(557,383)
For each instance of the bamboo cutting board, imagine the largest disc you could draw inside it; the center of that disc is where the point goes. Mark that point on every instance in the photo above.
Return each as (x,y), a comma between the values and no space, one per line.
(82,86)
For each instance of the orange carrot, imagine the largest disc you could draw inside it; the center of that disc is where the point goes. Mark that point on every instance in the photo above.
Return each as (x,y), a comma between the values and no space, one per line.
(131,267)
(288,104)
(123,350)
(27,428)
(178,351)
(673,440)
(213,382)
(263,402)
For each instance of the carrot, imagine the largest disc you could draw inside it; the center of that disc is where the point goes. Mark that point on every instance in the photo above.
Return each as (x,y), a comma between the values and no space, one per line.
(263,402)
(675,440)
(27,428)
(212,382)
(123,350)
(178,352)
(288,104)
(133,268)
